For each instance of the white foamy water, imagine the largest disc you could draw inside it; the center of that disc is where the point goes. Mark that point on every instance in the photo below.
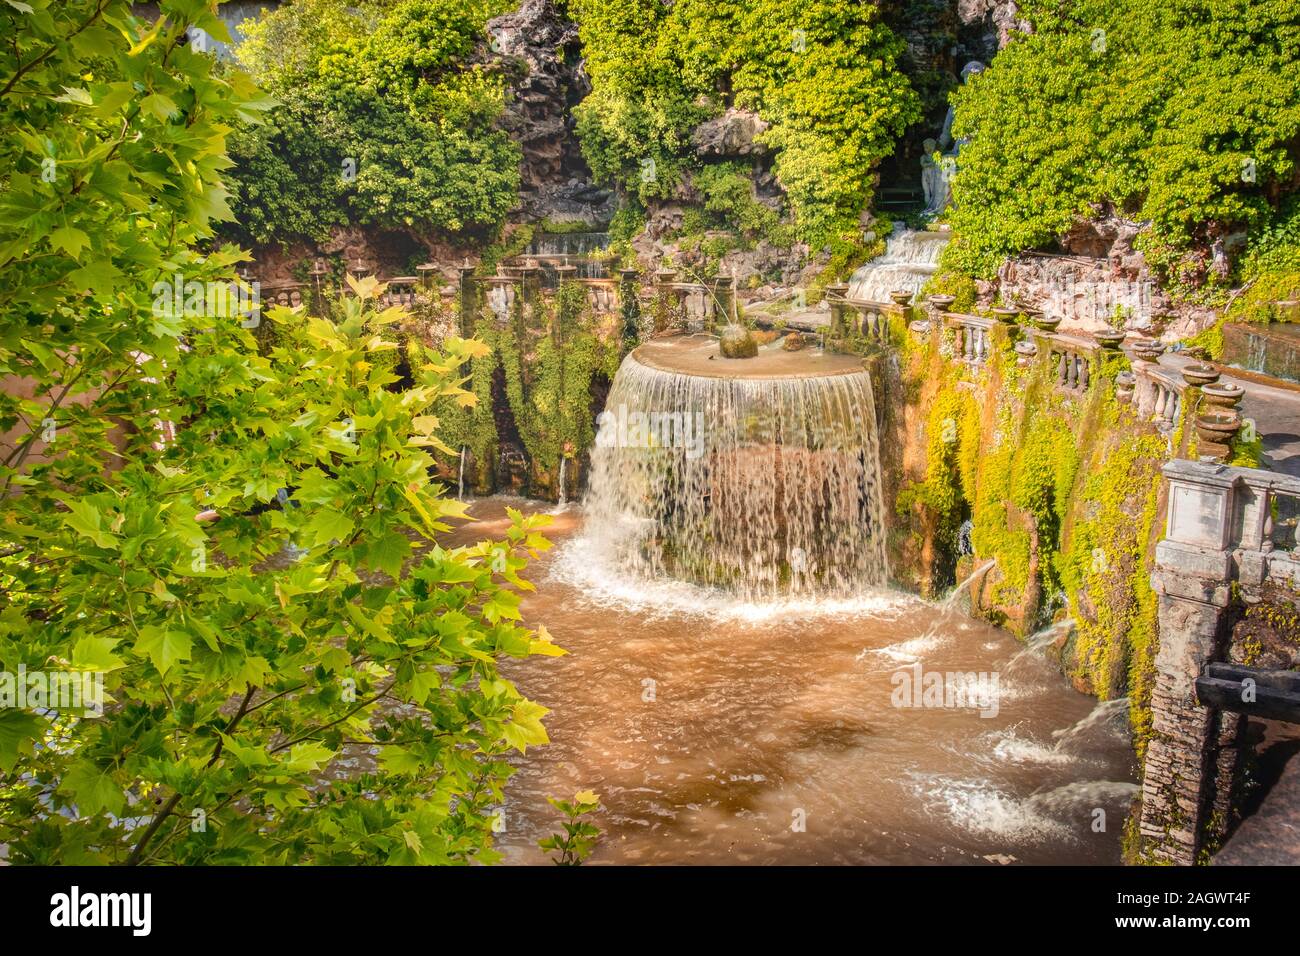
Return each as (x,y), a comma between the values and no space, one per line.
(910,258)
(588,564)
(767,488)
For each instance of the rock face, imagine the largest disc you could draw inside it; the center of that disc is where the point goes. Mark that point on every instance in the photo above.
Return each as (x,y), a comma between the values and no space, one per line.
(989,25)
(1098,271)
(734,133)
(541,54)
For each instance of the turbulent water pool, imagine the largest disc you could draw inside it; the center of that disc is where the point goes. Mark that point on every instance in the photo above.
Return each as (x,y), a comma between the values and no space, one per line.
(720,732)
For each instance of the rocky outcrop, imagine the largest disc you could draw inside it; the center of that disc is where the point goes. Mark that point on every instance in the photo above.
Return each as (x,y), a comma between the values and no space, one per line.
(540,52)
(988,25)
(733,134)
(1099,270)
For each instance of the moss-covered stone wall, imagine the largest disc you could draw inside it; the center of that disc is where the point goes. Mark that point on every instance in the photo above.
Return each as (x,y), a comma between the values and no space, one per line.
(537,392)
(1050,496)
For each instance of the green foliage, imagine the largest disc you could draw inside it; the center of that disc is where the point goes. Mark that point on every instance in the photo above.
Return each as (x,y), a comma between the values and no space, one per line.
(577,842)
(822,74)
(729,203)
(1176,111)
(382,122)
(248,641)
(549,351)
(960,287)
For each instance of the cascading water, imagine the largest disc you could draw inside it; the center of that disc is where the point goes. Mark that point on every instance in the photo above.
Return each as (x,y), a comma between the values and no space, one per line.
(562,498)
(756,476)
(911,257)
(460,484)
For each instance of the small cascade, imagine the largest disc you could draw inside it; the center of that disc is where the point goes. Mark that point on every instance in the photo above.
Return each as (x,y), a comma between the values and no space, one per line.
(951,600)
(911,257)
(1035,643)
(563,496)
(763,487)
(1104,718)
(460,485)
(577,249)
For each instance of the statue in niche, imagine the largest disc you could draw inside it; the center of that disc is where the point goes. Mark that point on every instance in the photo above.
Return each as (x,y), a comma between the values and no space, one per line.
(939,195)
(933,183)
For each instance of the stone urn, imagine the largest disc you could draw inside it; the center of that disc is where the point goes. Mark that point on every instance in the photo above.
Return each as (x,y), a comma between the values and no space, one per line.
(1005,315)
(1110,340)
(1224,395)
(1200,375)
(737,342)
(899,297)
(1125,384)
(1047,323)
(1217,427)
(1148,350)
(941,302)
(1025,352)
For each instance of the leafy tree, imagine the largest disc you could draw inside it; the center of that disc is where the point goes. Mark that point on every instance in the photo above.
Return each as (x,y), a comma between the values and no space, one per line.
(295,671)
(1178,112)
(383,122)
(822,73)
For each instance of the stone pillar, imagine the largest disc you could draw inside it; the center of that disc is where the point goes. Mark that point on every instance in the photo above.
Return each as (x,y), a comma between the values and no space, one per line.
(468,300)
(840,331)
(629,303)
(723,302)
(1193,754)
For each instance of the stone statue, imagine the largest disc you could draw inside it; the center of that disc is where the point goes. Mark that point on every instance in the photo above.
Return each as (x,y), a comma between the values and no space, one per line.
(939,194)
(933,182)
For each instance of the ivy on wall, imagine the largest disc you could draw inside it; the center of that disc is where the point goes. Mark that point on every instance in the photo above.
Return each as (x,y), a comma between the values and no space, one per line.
(549,352)
(1061,492)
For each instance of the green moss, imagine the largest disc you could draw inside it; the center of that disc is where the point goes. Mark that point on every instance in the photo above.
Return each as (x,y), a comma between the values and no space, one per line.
(549,352)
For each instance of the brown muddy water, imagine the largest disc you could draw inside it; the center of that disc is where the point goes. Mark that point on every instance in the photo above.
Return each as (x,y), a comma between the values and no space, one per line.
(723,733)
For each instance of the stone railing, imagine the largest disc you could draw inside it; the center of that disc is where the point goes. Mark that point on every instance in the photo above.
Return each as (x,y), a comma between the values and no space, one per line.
(1221,540)
(1158,395)
(1072,359)
(602,294)
(401,291)
(282,293)
(861,319)
(703,305)
(972,341)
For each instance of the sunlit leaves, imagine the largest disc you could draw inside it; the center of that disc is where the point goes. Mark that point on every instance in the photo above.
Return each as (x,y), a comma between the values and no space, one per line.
(240,540)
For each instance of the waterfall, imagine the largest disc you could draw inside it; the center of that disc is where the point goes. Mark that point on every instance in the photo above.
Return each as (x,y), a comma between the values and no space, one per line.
(460,486)
(564,486)
(911,257)
(951,600)
(759,486)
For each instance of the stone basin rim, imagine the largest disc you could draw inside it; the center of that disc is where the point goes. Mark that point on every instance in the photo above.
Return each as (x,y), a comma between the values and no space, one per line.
(687,356)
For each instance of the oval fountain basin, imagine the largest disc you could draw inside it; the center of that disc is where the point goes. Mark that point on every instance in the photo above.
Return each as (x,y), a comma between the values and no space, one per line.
(756,476)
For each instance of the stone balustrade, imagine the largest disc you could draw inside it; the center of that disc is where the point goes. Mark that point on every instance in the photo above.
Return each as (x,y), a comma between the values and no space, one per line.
(602,294)
(861,319)
(972,337)
(400,290)
(1072,359)
(1222,542)
(289,294)
(1158,395)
